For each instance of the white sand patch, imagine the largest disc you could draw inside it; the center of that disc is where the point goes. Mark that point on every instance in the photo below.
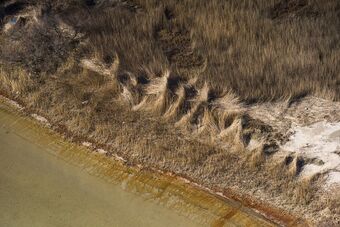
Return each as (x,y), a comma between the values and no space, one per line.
(12,103)
(333,178)
(319,141)
(15,104)
(87,144)
(101,151)
(41,119)
(118,158)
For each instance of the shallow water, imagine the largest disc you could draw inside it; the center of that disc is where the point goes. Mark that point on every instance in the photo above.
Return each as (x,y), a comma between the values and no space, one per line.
(45,181)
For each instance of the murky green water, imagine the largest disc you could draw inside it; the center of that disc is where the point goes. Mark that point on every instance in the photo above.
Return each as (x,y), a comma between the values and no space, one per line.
(45,181)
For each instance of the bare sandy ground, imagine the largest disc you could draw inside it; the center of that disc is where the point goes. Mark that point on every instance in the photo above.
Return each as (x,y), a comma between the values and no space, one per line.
(310,129)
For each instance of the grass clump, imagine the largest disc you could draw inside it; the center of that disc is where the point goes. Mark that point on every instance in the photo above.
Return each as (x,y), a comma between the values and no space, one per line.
(261,50)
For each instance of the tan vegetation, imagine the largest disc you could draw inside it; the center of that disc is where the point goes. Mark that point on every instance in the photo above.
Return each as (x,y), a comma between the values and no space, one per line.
(122,74)
(260,50)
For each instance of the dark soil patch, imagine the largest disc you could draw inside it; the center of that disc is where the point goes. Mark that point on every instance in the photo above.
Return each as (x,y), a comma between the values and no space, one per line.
(291,8)
(169,14)
(14,8)
(177,46)
(130,6)
(90,2)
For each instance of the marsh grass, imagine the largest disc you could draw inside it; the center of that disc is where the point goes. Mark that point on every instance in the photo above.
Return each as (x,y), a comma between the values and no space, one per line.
(192,64)
(260,50)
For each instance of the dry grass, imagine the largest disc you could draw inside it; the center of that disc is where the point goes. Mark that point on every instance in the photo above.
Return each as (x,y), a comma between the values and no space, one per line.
(260,50)
(126,72)
(261,58)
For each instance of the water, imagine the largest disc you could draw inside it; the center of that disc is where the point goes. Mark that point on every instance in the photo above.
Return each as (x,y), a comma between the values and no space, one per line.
(45,181)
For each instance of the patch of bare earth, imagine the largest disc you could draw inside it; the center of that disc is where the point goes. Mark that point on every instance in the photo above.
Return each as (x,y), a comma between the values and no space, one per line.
(310,133)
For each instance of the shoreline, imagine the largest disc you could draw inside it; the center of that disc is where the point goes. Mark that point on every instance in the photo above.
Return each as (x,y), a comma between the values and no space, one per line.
(261,208)
(178,89)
